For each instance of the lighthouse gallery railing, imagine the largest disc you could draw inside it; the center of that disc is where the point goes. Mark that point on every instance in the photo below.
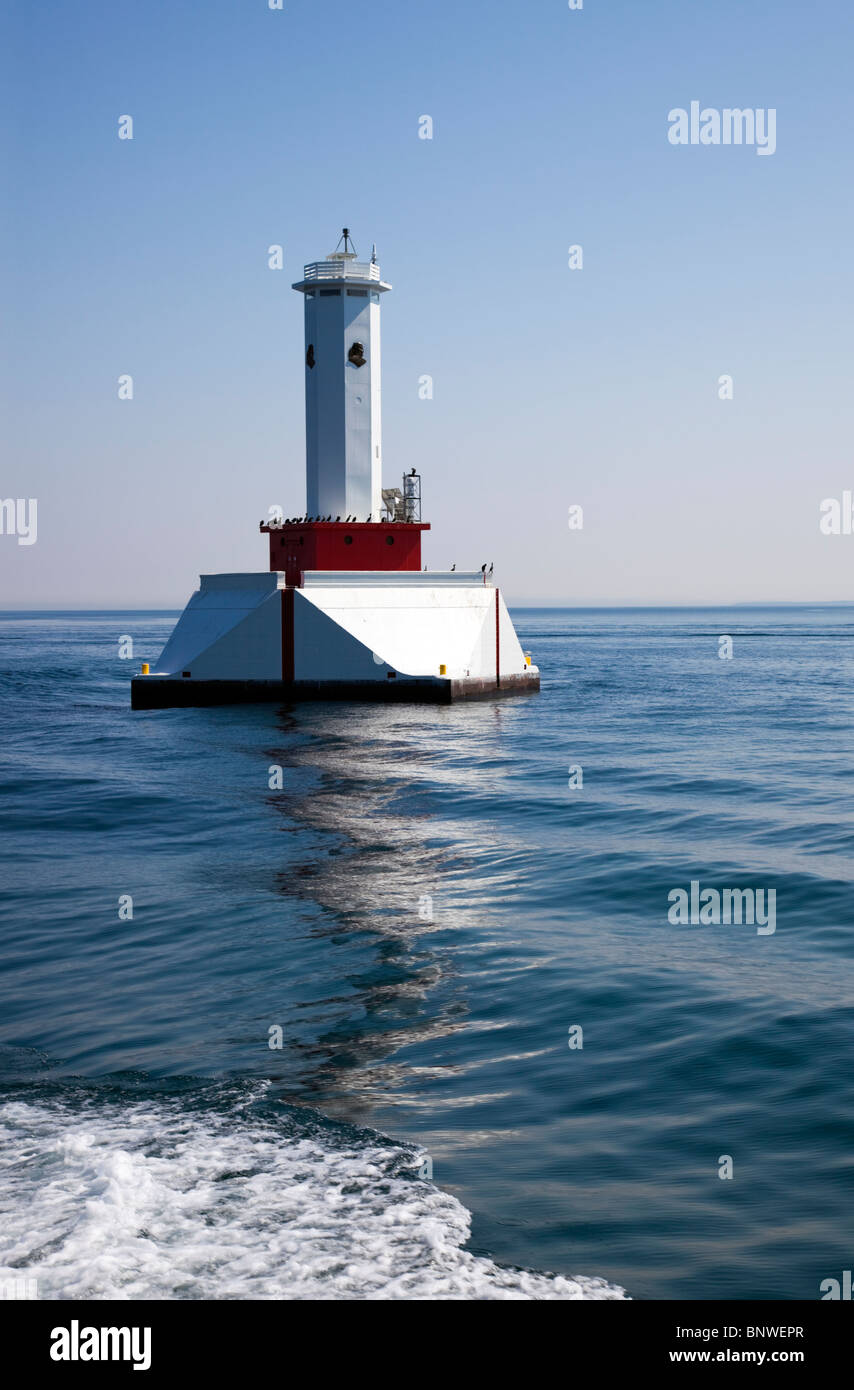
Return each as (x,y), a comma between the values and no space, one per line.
(341,270)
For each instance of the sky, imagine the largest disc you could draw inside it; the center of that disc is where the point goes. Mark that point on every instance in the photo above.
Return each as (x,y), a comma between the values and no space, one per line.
(598,387)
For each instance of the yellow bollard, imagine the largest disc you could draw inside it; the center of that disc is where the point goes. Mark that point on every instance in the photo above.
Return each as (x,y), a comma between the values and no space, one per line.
(443,670)
(145,668)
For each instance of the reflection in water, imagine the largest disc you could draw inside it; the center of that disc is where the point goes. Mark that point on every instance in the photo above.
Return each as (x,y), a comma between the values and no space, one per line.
(396,871)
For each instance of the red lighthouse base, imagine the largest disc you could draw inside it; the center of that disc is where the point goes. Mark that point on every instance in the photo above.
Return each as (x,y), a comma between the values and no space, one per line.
(341,545)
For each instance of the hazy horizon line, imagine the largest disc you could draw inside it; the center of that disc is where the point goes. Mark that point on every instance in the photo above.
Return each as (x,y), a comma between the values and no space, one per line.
(532,606)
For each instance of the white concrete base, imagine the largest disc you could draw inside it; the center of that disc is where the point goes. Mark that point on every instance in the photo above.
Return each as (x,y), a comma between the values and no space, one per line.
(447,635)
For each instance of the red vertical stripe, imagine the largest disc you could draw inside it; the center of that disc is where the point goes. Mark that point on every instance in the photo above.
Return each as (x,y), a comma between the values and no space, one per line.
(287,634)
(497,647)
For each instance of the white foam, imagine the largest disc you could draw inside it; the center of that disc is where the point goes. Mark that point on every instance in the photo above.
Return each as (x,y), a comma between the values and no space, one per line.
(137,1199)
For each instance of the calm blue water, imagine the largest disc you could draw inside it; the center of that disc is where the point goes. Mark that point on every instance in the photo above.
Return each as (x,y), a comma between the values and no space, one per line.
(154,1142)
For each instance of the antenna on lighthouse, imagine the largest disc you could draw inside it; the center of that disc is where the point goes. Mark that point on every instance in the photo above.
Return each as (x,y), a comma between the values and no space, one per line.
(349,252)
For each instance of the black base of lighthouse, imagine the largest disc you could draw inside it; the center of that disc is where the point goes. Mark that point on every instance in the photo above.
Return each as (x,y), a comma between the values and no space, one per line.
(162,692)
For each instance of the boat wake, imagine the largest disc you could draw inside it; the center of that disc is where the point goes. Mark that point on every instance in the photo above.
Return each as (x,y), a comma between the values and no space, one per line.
(222,1193)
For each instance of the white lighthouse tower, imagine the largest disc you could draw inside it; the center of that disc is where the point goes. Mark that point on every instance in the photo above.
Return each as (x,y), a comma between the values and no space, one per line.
(343,427)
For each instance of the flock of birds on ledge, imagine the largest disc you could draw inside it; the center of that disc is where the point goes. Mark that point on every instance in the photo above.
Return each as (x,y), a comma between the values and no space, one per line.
(305,521)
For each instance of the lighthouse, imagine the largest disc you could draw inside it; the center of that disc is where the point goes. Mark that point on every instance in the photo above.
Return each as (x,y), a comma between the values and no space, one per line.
(344,610)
